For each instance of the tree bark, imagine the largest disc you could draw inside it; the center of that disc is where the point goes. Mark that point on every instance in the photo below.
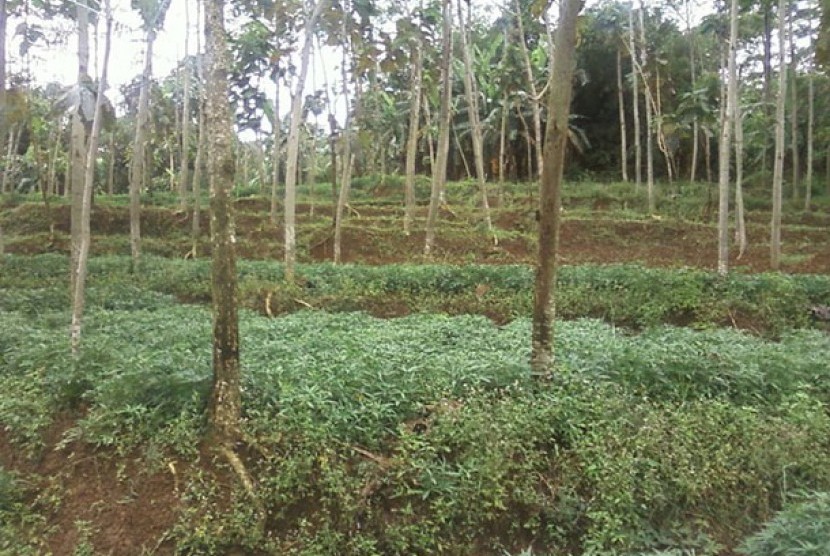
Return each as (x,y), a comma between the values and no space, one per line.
(725,145)
(652,203)
(184,168)
(621,111)
(347,160)
(740,217)
(78,294)
(535,98)
(225,399)
(475,122)
(808,182)
(439,171)
(412,139)
(550,199)
(201,143)
(137,167)
(778,168)
(275,153)
(294,147)
(635,101)
(78,143)
(794,113)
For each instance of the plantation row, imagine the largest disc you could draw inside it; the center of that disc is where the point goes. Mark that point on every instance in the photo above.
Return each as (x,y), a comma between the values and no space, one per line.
(628,295)
(370,433)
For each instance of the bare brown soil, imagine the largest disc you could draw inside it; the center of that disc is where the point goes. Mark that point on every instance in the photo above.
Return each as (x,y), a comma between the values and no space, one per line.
(373,234)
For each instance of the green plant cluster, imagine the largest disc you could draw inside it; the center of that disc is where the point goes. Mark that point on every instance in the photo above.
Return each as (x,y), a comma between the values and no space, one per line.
(427,434)
(627,295)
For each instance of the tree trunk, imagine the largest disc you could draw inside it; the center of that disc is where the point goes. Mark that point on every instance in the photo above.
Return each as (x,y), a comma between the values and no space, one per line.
(275,153)
(78,144)
(505,111)
(740,218)
(794,113)
(80,271)
(725,145)
(201,143)
(294,147)
(652,203)
(3,123)
(412,139)
(778,169)
(550,196)
(808,184)
(184,171)
(693,74)
(439,171)
(347,160)
(111,167)
(137,167)
(635,101)
(225,400)
(535,99)
(475,122)
(621,110)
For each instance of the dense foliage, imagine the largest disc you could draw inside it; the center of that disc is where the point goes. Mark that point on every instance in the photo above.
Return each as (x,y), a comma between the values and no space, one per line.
(427,434)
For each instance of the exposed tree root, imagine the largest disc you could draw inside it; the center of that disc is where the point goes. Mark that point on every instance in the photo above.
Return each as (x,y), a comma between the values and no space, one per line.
(247,483)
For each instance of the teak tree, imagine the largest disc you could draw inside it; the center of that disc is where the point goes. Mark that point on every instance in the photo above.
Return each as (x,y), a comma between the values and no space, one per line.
(550,189)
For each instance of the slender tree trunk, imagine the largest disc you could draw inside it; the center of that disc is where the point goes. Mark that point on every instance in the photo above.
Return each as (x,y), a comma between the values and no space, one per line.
(505,111)
(78,147)
(184,171)
(621,111)
(111,167)
(275,153)
(201,143)
(693,72)
(439,171)
(550,196)
(740,218)
(225,403)
(294,146)
(767,94)
(535,99)
(778,169)
(652,202)
(137,167)
(635,101)
(460,150)
(412,139)
(80,271)
(808,184)
(475,123)
(347,159)
(3,122)
(794,113)
(725,145)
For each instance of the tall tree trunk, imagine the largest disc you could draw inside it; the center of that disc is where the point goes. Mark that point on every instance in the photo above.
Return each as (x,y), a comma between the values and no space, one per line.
(505,111)
(225,400)
(535,99)
(725,145)
(290,208)
(201,143)
(808,183)
(347,160)
(621,110)
(766,5)
(475,123)
(740,217)
(78,140)
(635,100)
(111,167)
(439,171)
(184,171)
(794,112)
(693,75)
(80,271)
(137,166)
(652,203)
(412,139)
(550,195)
(3,123)
(275,153)
(778,169)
